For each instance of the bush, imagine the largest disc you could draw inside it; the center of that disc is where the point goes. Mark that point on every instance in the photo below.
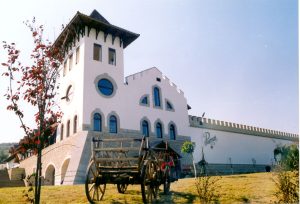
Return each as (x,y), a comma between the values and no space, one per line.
(287,187)
(287,175)
(207,189)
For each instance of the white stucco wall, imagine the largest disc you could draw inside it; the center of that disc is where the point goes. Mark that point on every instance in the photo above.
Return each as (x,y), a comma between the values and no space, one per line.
(241,148)
(126,101)
(73,77)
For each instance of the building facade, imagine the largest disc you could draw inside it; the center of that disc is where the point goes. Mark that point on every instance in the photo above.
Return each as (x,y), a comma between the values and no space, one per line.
(97,101)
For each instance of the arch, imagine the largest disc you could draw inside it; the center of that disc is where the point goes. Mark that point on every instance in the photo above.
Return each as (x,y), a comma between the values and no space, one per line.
(145,126)
(159,130)
(75,124)
(113,124)
(172,131)
(50,175)
(157,97)
(64,169)
(97,122)
(92,126)
(113,121)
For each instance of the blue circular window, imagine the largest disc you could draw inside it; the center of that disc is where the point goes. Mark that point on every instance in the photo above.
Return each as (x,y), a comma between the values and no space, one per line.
(105,87)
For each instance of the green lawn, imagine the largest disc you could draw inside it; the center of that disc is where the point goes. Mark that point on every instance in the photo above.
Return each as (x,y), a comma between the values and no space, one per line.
(254,188)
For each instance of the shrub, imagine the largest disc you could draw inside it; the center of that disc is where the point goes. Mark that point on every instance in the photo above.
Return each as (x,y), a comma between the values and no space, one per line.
(287,187)
(207,189)
(287,175)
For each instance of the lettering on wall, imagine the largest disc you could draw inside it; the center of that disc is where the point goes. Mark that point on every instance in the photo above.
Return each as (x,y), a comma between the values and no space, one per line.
(208,140)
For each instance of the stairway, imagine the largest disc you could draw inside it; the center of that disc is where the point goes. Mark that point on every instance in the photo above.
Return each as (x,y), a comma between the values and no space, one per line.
(6,182)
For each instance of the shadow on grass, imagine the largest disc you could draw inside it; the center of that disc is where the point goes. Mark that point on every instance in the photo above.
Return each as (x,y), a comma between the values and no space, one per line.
(177,197)
(172,197)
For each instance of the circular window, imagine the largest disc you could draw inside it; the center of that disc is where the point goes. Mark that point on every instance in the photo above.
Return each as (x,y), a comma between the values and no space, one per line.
(105,87)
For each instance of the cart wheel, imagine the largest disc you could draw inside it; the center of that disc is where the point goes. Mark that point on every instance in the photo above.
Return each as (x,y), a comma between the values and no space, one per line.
(150,183)
(167,182)
(94,185)
(122,187)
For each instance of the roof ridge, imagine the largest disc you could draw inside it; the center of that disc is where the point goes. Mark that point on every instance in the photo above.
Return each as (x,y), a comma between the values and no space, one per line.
(97,16)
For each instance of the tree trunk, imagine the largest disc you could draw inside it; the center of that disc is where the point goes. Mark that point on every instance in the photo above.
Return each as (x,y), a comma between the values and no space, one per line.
(38,177)
(195,170)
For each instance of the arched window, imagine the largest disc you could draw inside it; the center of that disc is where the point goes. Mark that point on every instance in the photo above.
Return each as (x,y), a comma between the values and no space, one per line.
(156,94)
(75,124)
(145,128)
(113,124)
(172,132)
(97,122)
(169,106)
(68,128)
(62,132)
(158,130)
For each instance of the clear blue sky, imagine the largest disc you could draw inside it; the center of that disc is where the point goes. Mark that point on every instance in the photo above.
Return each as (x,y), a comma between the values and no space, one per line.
(236,60)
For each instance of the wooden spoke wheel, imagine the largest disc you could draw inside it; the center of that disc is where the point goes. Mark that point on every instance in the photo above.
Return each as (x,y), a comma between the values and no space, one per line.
(150,183)
(94,184)
(122,187)
(167,182)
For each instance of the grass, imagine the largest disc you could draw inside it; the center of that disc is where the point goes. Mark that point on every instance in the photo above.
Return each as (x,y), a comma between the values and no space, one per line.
(244,188)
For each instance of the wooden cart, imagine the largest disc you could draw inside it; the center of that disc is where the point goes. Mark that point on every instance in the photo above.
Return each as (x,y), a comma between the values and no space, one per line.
(124,161)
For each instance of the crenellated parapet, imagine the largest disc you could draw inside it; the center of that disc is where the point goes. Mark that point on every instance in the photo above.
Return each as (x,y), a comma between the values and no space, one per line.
(207,123)
(148,72)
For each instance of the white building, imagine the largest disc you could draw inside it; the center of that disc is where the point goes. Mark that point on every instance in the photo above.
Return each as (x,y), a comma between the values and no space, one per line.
(97,102)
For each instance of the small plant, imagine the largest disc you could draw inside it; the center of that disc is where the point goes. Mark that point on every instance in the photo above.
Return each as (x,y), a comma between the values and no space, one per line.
(207,189)
(188,148)
(29,193)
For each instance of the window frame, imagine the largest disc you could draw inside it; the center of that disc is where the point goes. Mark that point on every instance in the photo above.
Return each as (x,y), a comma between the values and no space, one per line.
(111,50)
(154,96)
(75,124)
(115,125)
(161,129)
(98,119)
(148,100)
(145,126)
(70,61)
(68,128)
(106,76)
(65,68)
(61,132)
(99,54)
(174,130)
(167,103)
(103,88)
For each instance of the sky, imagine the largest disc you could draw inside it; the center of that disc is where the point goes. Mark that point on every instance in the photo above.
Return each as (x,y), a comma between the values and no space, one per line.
(235,60)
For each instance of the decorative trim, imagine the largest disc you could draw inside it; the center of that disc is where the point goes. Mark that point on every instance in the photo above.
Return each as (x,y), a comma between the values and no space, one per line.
(205,123)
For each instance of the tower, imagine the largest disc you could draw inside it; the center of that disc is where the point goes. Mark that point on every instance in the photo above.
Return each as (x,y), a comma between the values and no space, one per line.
(93,71)
(91,84)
